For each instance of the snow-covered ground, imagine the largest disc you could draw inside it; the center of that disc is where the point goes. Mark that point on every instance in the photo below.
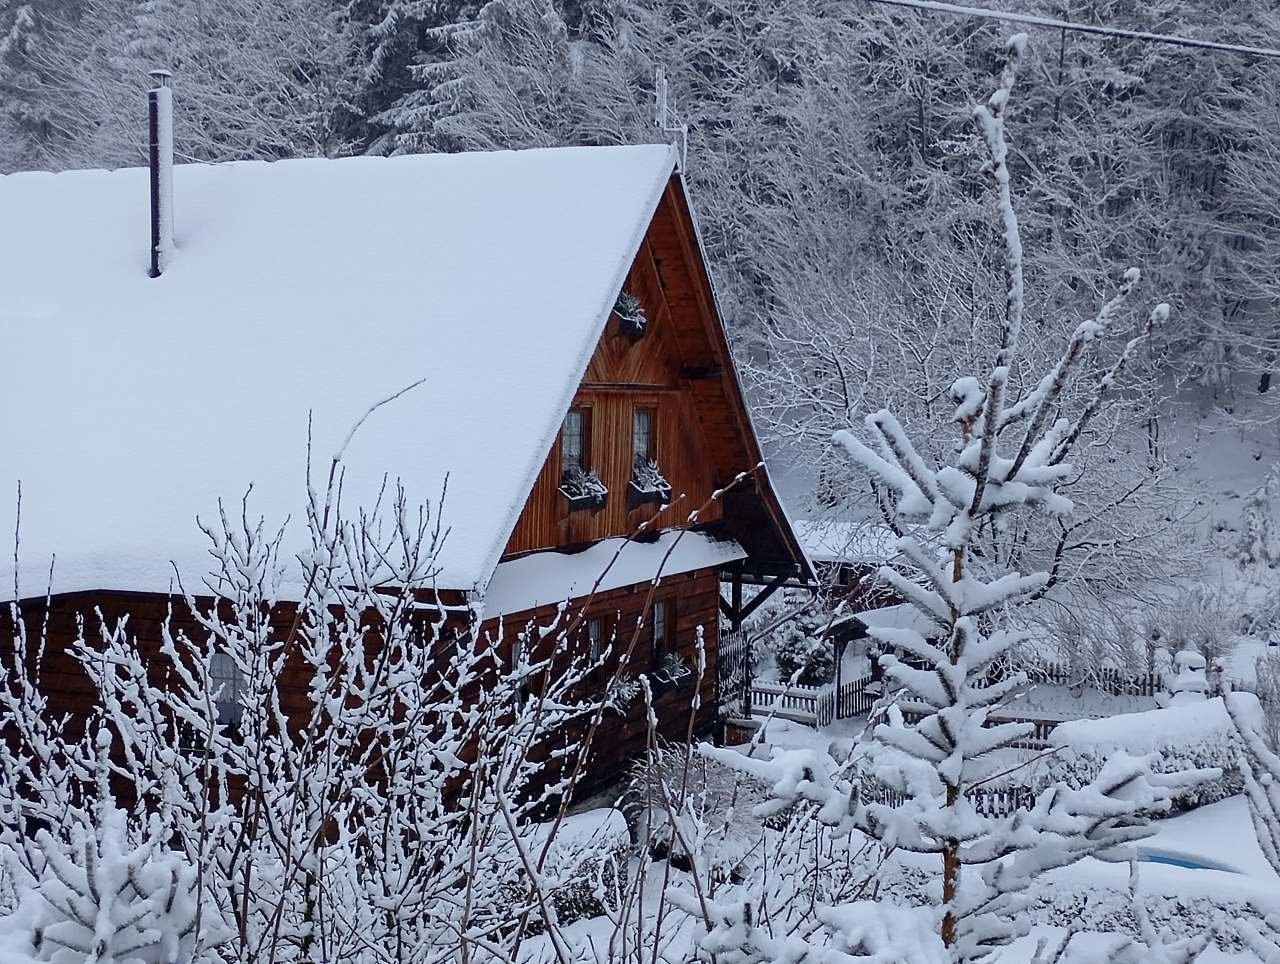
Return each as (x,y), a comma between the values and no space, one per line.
(1228,871)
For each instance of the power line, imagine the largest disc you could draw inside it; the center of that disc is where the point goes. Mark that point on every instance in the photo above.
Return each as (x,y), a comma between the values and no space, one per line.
(1051,23)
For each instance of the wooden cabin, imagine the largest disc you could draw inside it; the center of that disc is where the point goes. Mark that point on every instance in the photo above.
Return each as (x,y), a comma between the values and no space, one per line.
(552,310)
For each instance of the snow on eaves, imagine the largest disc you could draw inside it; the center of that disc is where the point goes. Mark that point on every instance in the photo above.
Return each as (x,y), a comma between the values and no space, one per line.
(298,290)
(551,577)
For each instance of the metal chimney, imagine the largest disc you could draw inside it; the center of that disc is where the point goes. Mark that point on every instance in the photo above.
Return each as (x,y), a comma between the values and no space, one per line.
(160,129)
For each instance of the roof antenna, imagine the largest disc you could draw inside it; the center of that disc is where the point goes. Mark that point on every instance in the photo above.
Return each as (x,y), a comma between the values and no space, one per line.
(679,133)
(160,131)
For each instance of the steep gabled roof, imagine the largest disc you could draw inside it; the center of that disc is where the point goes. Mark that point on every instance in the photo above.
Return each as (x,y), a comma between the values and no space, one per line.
(301,293)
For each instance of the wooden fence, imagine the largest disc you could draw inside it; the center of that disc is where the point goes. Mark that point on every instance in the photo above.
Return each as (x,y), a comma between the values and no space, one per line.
(1109,679)
(819,705)
(733,670)
(798,703)
(855,697)
(988,801)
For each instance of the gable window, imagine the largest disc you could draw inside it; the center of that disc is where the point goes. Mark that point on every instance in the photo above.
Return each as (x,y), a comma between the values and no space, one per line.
(578,480)
(642,434)
(229,683)
(573,440)
(647,483)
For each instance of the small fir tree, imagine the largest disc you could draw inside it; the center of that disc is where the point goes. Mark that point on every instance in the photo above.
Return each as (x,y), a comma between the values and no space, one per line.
(1011,458)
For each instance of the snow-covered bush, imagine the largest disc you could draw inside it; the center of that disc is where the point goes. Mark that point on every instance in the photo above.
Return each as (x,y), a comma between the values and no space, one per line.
(1267,687)
(1201,618)
(1258,547)
(587,858)
(1190,736)
(1188,681)
(100,891)
(371,808)
(715,796)
(800,652)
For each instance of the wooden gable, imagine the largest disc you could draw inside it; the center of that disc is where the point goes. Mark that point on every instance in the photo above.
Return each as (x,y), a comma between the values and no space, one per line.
(681,370)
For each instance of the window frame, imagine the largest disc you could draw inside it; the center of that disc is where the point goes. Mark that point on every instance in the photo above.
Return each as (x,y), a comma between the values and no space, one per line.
(661,646)
(583,412)
(595,638)
(650,413)
(226,676)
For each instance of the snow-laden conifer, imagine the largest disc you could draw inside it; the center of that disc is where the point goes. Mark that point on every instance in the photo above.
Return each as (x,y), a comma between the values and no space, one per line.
(1011,457)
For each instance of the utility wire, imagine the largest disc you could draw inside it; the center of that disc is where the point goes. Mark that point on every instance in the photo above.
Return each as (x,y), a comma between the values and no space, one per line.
(1050,23)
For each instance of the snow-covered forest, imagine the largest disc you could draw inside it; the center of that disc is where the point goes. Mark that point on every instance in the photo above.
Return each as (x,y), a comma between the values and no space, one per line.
(1004,306)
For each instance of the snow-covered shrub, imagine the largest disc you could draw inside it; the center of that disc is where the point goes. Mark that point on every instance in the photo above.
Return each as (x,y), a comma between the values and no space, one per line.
(1260,768)
(586,858)
(1190,736)
(1258,547)
(1204,619)
(370,810)
(715,796)
(1188,682)
(800,653)
(104,896)
(1267,687)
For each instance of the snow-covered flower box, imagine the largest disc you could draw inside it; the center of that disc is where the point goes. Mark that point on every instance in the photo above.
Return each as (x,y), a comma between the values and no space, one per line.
(672,671)
(647,486)
(583,489)
(630,312)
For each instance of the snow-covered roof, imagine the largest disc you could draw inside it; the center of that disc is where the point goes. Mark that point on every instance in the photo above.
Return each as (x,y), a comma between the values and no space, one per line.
(547,578)
(832,540)
(299,291)
(900,616)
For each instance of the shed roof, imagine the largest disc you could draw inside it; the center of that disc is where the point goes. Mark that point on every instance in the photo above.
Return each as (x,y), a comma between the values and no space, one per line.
(301,292)
(837,540)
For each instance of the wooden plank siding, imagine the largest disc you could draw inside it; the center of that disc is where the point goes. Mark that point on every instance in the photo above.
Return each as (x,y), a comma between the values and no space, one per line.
(695,598)
(670,369)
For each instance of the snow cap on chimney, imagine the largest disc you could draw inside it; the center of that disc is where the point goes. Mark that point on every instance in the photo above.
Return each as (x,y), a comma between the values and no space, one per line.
(160,129)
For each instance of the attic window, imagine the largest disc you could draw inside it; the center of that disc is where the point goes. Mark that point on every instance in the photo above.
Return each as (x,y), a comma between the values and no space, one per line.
(630,312)
(642,433)
(573,439)
(647,486)
(578,481)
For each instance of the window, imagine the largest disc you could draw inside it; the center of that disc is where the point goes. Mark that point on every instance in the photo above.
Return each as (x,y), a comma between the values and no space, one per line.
(573,441)
(524,685)
(578,481)
(642,447)
(660,617)
(228,682)
(595,633)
